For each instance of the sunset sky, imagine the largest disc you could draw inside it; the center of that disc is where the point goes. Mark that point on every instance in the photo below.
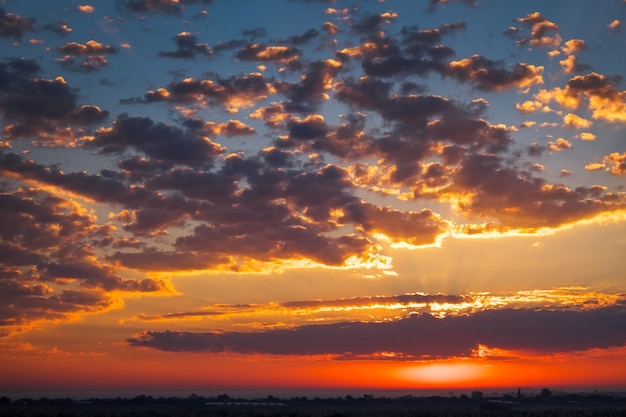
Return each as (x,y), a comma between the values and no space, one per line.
(311,196)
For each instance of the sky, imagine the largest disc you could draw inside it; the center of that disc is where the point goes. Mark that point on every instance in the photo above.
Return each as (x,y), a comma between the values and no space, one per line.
(306,196)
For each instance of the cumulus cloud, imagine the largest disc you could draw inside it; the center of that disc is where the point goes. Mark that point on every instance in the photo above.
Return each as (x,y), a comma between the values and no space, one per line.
(91,53)
(560,145)
(232,92)
(47,241)
(616,163)
(334,116)
(59,27)
(157,140)
(188,47)
(603,98)
(33,105)
(171,7)
(536,30)
(433,4)
(490,75)
(14,26)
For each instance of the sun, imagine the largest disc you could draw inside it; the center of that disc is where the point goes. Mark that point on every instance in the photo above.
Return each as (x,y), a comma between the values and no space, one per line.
(445,373)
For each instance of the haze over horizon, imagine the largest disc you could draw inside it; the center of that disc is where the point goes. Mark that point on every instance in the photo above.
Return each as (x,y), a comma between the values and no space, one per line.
(211,196)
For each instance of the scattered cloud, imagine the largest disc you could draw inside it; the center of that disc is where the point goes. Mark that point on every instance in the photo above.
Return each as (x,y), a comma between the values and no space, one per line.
(85,8)
(168,7)
(536,30)
(616,163)
(188,47)
(14,26)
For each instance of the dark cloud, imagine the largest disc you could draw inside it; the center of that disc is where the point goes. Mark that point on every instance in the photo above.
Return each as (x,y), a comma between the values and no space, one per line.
(59,27)
(371,24)
(187,47)
(172,7)
(33,105)
(306,95)
(306,37)
(533,204)
(418,337)
(46,241)
(433,4)
(419,52)
(87,64)
(254,33)
(491,75)
(232,92)
(312,127)
(228,45)
(14,26)
(157,140)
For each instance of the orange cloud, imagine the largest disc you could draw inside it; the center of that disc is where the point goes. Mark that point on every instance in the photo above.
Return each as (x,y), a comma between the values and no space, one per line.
(560,145)
(586,136)
(573,45)
(604,100)
(330,28)
(529,106)
(85,8)
(616,163)
(542,31)
(576,122)
(595,166)
(615,25)
(570,65)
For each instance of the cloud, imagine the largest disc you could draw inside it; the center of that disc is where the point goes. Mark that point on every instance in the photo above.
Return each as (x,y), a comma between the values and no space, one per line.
(616,163)
(560,145)
(371,24)
(419,52)
(615,25)
(49,271)
(187,47)
(604,100)
(14,26)
(535,202)
(232,92)
(575,122)
(417,337)
(586,136)
(433,4)
(304,38)
(156,140)
(543,33)
(574,45)
(230,128)
(278,54)
(59,27)
(489,75)
(306,95)
(33,105)
(92,52)
(171,7)
(570,65)
(85,8)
